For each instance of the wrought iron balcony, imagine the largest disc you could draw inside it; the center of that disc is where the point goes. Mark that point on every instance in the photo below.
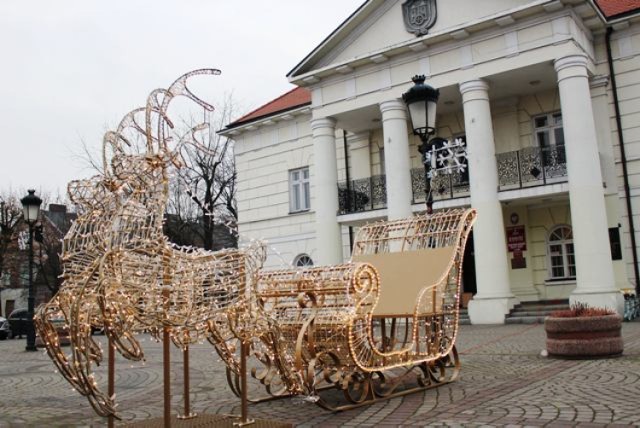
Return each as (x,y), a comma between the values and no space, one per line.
(532,166)
(370,193)
(443,186)
(365,194)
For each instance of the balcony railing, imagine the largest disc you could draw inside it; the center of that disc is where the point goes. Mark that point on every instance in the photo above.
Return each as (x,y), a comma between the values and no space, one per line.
(365,194)
(533,166)
(528,167)
(368,194)
(443,186)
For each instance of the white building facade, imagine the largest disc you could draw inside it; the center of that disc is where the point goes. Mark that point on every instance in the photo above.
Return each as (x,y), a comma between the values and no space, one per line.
(527,85)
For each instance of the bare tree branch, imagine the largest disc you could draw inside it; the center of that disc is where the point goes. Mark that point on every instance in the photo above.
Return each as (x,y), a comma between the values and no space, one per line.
(209,175)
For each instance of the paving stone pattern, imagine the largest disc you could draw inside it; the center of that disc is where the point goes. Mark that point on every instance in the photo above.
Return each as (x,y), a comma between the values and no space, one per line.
(504,382)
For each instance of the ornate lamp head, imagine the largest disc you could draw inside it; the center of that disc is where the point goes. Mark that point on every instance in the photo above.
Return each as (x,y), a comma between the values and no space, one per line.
(422,102)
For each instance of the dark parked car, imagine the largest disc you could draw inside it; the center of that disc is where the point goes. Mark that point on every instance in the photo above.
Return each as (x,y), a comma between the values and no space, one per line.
(19,322)
(60,325)
(5,330)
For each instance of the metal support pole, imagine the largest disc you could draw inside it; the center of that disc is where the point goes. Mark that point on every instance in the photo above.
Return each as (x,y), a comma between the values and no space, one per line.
(185,366)
(519,169)
(243,368)
(31,334)
(424,150)
(4,229)
(111,388)
(427,190)
(166,362)
(543,163)
(244,405)
(166,332)
(185,353)
(371,192)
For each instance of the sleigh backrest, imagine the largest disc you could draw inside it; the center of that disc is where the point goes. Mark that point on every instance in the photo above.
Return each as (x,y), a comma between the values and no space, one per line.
(411,254)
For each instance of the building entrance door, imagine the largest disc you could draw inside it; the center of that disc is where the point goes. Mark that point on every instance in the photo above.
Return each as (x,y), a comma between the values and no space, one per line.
(8,307)
(469,268)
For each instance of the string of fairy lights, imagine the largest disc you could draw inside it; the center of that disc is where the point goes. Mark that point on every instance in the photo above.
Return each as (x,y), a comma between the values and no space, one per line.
(306,327)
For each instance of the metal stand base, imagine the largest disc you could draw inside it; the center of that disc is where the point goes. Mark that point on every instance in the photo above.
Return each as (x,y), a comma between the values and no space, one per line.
(186,417)
(240,423)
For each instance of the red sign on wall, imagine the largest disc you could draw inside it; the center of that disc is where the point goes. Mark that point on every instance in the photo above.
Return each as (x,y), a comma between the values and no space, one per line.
(516,239)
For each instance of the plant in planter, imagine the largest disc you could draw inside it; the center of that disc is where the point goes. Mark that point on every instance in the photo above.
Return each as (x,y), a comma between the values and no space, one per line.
(584,332)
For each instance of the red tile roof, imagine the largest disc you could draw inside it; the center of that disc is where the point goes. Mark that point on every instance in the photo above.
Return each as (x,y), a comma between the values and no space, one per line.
(613,8)
(297,97)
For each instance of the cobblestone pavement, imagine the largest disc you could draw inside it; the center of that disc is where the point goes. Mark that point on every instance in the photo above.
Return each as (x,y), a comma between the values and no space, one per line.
(504,382)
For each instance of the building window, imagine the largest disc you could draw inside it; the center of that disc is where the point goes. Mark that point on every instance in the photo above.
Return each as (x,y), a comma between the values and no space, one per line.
(549,135)
(299,194)
(616,245)
(303,260)
(24,273)
(562,260)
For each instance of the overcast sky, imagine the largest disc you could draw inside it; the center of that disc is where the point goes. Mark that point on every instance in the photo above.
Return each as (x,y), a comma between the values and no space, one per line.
(71,69)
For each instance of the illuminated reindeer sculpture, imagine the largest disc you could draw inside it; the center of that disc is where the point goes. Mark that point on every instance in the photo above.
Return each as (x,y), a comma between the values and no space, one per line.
(120,271)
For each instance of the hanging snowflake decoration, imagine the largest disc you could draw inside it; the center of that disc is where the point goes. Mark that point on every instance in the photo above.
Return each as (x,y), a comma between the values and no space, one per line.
(446,158)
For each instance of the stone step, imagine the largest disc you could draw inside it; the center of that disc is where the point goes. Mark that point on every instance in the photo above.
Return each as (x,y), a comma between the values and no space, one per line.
(534,312)
(536,307)
(540,313)
(525,320)
(525,313)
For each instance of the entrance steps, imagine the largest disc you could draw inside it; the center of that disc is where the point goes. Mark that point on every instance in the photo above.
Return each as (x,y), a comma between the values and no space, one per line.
(464,317)
(535,312)
(525,313)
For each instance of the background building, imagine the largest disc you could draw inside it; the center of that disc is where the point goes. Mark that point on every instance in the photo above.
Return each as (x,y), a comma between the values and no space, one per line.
(53,224)
(527,84)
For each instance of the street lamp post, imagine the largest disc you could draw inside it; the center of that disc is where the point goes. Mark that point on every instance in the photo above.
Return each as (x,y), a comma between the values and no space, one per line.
(31,211)
(3,232)
(422,102)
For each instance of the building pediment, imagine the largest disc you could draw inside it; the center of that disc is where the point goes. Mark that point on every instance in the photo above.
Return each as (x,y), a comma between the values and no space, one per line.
(384,24)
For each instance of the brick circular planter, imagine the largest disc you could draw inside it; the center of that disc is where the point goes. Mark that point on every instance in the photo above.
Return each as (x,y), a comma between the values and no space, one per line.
(584,337)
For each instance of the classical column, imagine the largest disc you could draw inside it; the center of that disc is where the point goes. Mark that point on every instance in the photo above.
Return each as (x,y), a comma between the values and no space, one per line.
(494,298)
(359,155)
(328,236)
(601,116)
(594,268)
(397,159)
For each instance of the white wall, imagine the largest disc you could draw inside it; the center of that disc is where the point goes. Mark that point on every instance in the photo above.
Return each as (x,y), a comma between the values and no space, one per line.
(263,158)
(626,55)
(18,295)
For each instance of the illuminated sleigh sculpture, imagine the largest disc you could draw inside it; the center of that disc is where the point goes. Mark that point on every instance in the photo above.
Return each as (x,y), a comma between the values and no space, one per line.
(120,270)
(367,326)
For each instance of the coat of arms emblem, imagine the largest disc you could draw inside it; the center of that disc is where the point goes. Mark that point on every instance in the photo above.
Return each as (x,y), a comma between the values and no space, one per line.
(419,16)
